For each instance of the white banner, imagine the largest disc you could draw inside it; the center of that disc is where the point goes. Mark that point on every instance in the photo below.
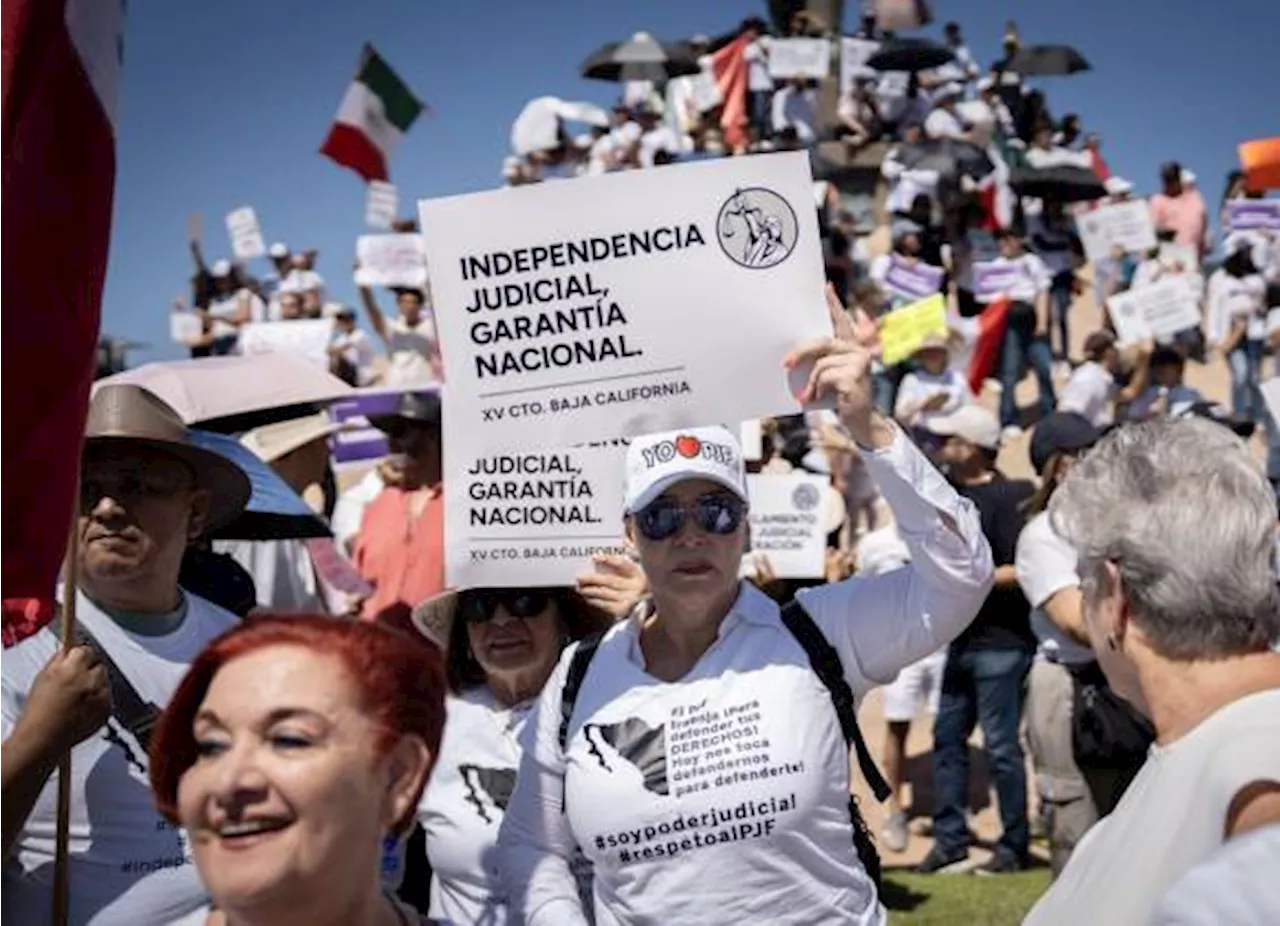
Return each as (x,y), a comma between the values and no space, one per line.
(1160,310)
(1127,224)
(391,260)
(1250,214)
(246,236)
(185,327)
(853,61)
(787,524)
(790,58)
(627,303)
(308,337)
(530,519)
(751,437)
(382,201)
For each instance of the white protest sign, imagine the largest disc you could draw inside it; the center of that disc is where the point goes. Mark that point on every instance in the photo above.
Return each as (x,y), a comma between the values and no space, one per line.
(853,61)
(1271,396)
(790,58)
(1171,254)
(381,204)
(604,307)
(994,279)
(391,260)
(1160,310)
(308,337)
(912,281)
(1127,224)
(787,523)
(185,327)
(246,236)
(751,437)
(530,519)
(1250,214)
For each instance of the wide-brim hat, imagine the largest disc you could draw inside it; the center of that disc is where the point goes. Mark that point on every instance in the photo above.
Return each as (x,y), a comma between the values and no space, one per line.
(434,617)
(124,417)
(414,408)
(270,442)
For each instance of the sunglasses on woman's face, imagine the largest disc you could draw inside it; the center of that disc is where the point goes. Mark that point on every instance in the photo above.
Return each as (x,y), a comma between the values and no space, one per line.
(523,605)
(716,514)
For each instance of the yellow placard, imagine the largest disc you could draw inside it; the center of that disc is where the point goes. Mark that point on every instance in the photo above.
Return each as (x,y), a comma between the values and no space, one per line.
(903,330)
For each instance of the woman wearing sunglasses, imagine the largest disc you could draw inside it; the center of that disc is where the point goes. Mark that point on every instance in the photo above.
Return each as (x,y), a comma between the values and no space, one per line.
(500,645)
(698,761)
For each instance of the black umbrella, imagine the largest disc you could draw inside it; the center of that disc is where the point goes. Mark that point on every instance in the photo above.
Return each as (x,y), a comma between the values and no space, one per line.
(1047,61)
(1064,184)
(950,157)
(641,57)
(910,55)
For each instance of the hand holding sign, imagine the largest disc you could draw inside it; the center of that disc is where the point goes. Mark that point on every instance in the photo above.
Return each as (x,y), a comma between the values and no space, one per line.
(841,369)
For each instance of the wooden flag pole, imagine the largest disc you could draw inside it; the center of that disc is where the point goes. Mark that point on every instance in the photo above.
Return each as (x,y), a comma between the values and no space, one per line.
(61,857)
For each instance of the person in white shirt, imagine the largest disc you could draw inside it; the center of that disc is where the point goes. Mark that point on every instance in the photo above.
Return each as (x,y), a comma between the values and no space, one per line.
(943,121)
(1026,337)
(906,183)
(231,306)
(146,491)
(413,344)
(659,137)
(1092,391)
(304,280)
(1184,623)
(759,83)
(932,390)
(795,106)
(348,513)
(499,646)
(698,739)
(859,116)
(1239,328)
(350,350)
(1235,885)
(1044,153)
(1056,243)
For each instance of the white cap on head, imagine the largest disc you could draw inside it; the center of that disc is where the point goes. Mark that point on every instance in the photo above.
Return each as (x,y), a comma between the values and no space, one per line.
(220,268)
(1117,186)
(279,249)
(656,462)
(1188,178)
(949,90)
(969,422)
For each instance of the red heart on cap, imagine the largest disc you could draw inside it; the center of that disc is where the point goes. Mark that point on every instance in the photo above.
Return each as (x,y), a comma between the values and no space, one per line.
(688,446)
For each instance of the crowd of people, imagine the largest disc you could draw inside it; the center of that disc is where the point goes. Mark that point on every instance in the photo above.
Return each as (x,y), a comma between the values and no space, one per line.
(320,731)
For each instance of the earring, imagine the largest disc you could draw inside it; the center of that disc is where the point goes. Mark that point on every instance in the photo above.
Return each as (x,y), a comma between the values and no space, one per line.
(1112,644)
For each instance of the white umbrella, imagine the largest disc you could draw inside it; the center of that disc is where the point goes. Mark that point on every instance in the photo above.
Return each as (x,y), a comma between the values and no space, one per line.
(537,128)
(207,388)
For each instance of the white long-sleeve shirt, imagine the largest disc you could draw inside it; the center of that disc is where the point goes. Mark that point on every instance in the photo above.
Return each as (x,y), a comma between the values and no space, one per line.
(739,769)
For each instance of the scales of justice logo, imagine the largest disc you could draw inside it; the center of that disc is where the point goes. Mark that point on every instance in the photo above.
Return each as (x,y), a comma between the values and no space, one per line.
(757,228)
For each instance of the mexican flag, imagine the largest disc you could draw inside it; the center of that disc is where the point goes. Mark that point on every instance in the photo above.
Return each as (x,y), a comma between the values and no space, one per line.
(61,68)
(376,111)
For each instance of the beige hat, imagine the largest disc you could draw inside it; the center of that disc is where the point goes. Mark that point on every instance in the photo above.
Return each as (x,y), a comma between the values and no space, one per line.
(270,442)
(933,341)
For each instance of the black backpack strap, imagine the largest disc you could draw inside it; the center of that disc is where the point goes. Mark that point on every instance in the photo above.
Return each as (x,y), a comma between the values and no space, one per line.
(826,665)
(127,706)
(578,665)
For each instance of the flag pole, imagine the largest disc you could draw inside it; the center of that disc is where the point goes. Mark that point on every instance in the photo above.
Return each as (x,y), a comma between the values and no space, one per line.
(61,856)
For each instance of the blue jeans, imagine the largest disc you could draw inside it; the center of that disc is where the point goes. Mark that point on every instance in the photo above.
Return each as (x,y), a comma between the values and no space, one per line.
(1021,347)
(987,687)
(1060,303)
(1245,364)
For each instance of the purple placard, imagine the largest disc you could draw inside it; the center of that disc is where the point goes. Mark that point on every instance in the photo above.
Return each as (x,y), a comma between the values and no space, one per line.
(992,279)
(1250,214)
(913,281)
(360,442)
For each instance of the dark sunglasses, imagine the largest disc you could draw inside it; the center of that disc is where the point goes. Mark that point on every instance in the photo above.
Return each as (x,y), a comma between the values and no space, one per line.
(482,606)
(715,514)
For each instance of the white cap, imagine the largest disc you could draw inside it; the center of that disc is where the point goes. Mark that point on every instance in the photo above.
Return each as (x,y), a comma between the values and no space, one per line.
(1188,178)
(950,89)
(969,422)
(656,462)
(279,249)
(220,268)
(1117,186)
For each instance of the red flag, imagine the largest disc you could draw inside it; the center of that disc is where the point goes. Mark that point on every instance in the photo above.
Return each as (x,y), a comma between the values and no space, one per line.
(61,64)
(986,346)
(729,65)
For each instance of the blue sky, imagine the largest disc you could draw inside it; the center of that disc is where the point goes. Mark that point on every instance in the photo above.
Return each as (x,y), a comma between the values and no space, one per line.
(225,104)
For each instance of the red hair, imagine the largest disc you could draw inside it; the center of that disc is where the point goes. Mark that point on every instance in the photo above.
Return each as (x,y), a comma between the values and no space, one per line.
(399,681)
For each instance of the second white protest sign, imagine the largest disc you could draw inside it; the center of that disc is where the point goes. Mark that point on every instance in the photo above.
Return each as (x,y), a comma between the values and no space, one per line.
(391,260)
(628,303)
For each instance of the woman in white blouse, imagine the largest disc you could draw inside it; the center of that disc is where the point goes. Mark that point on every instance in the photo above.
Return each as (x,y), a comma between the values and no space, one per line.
(933,390)
(697,760)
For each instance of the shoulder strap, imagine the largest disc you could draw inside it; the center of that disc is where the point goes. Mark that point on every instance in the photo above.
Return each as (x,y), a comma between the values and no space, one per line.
(826,665)
(127,706)
(578,665)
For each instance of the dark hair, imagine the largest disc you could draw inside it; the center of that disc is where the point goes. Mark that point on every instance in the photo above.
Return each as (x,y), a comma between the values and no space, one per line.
(461,669)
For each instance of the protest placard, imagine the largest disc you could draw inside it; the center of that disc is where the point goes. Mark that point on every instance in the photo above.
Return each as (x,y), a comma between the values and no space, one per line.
(246,236)
(602,307)
(853,61)
(912,281)
(903,330)
(531,519)
(359,442)
(308,337)
(1126,224)
(1250,214)
(808,58)
(391,260)
(751,437)
(993,279)
(1172,254)
(185,327)
(1160,310)
(788,523)
(381,204)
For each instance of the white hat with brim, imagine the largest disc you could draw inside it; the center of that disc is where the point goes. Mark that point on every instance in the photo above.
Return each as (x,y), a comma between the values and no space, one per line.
(270,442)
(933,341)
(656,462)
(969,422)
(278,250)
(1117,186)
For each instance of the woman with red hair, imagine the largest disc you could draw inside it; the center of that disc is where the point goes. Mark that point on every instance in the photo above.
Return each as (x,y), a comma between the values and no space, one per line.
(292,752)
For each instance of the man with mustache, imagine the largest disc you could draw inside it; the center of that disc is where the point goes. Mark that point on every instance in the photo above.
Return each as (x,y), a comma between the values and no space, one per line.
(146,493)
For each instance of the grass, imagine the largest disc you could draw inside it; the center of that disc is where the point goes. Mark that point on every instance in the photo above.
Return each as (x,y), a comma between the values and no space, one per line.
(971,900)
